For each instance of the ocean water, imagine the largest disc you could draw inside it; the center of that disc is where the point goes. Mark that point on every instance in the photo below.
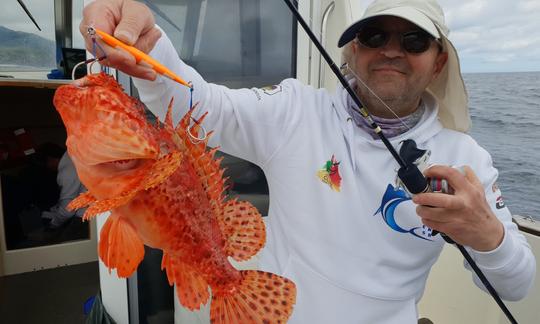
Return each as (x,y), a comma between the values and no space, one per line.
(505,111)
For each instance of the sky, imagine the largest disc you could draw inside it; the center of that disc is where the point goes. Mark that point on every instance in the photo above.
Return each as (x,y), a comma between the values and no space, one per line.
(490,35)
(495,35)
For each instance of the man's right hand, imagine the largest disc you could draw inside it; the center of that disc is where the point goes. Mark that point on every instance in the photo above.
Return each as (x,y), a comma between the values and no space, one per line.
(130,22)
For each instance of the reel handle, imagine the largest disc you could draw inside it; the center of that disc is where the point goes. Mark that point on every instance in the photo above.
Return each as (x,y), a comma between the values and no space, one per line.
(441,185)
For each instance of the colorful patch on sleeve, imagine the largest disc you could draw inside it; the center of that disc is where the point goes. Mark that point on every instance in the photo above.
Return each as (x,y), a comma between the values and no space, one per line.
(329,174)
(272,90)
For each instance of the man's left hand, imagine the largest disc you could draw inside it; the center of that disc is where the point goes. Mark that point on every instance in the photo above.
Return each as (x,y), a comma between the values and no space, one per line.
(464,216)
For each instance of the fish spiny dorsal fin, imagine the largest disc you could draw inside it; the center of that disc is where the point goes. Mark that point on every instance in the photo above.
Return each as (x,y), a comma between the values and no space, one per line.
(197,125)
(243,229)
(212,152)
(210,133)
(191,288)
(168,117)
(214,183)
(185,121)
(206,168)
(261,297)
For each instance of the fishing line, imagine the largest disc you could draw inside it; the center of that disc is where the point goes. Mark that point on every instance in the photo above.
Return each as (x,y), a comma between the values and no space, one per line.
(360,80)
(90,62)
(95,46)
(346,66)
(140,57)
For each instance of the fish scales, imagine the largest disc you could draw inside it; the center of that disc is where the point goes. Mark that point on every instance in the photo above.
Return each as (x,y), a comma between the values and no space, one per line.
(166,190)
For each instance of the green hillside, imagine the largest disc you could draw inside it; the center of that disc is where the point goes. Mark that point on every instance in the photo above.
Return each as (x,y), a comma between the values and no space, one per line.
(26,49)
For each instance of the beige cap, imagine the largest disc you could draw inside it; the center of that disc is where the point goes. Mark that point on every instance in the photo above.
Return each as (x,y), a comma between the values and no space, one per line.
(448,88)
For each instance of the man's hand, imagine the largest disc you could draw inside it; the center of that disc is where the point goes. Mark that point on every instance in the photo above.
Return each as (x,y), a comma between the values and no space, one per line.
(130,22)
(464,216)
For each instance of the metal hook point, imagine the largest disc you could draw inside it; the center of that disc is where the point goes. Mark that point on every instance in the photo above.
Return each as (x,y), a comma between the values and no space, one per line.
(194,139)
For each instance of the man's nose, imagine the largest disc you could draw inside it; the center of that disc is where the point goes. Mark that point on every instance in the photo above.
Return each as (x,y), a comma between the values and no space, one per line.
(392,48)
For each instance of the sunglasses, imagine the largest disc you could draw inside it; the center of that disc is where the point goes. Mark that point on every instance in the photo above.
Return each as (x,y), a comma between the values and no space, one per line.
(415,42)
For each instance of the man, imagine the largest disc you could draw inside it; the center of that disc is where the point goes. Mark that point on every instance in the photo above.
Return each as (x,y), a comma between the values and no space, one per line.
(70,188)
(329,229)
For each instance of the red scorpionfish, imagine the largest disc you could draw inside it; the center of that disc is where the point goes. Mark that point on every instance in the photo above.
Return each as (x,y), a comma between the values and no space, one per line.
(166,190)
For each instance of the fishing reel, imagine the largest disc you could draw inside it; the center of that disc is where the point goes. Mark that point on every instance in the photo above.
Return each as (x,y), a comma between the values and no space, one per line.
(418,159)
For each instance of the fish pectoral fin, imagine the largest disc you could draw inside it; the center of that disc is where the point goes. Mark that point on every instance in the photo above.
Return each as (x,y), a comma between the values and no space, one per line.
(102,206)
(83,200)
(261,297)
(162,169)
(159,171)
(191,288)
(243,228)
(120,247)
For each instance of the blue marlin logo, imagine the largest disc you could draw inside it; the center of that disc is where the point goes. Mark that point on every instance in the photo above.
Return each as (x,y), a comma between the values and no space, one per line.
(391,199)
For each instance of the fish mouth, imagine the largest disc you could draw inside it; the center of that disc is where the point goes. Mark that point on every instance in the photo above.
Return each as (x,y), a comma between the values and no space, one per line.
(123,165)
(120,168)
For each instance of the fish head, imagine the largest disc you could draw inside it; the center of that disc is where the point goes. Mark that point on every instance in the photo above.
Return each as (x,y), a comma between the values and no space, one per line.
(108,136)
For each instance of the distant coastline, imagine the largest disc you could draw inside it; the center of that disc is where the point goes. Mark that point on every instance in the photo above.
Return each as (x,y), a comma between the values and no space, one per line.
(502,72)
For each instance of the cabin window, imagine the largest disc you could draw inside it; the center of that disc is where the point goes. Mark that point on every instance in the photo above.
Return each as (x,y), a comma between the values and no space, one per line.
(77,38)
(238,43)
(26,52)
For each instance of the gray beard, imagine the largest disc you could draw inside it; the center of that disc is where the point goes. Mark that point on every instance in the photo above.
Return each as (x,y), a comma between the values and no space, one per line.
(401,105)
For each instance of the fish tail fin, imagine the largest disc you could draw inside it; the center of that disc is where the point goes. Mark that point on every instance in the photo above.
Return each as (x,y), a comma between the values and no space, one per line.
(120,247)
(261,297)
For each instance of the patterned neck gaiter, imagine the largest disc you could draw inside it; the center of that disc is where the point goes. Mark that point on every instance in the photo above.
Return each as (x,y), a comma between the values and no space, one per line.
(391,126)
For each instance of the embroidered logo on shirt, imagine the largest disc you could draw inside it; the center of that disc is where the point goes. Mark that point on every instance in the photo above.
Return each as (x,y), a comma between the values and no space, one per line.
(272,90)
(256,94)
(329,174)
(390,201)
(499,203)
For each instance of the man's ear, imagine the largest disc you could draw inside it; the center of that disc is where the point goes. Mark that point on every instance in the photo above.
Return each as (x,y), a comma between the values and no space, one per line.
(440,62)
(354,47)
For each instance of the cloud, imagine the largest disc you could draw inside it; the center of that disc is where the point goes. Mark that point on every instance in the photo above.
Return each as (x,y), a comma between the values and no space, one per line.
(529,5)
(495,35)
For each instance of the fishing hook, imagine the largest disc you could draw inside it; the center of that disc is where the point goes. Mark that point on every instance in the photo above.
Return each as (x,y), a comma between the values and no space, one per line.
(196,139)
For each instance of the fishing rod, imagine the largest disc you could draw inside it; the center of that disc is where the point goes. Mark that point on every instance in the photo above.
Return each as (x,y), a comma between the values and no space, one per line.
(28,13)
(409,174)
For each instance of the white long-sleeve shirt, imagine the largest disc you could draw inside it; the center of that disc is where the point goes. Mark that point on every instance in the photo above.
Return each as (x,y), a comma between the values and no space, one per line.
(360,254)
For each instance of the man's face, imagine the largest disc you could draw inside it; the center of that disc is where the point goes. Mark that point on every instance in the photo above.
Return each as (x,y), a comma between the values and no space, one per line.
(396,76)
